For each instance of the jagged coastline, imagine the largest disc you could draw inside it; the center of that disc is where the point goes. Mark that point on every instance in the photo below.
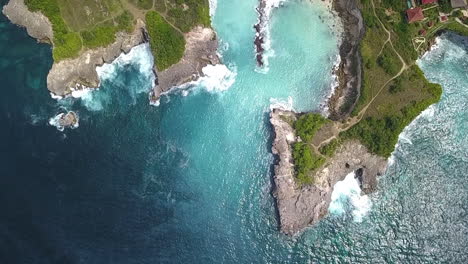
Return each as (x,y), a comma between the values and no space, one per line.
(349,71)
(300,206)
(70,75)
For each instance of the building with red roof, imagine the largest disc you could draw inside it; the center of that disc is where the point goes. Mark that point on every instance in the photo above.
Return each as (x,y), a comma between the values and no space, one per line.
(414,14)
(425,2)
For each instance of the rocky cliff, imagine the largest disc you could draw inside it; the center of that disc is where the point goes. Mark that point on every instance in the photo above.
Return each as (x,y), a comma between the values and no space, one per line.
(300,206)
(78,73)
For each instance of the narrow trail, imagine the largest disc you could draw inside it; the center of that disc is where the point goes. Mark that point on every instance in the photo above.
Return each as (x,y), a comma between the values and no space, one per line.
(356,119)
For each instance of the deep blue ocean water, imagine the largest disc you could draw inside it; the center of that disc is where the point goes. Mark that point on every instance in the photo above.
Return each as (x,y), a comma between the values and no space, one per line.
(189,181)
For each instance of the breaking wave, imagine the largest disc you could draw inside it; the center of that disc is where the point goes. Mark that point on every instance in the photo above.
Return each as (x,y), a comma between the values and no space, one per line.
(347,194)
(140,59)
(281,104)
(213,5)
(55,121)
(264,30)
(217,78)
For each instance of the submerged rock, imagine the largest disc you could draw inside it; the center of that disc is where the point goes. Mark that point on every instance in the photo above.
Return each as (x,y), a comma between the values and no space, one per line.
(300,206)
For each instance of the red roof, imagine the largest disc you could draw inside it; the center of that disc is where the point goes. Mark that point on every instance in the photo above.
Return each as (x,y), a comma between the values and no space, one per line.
(424,2)
(414,14)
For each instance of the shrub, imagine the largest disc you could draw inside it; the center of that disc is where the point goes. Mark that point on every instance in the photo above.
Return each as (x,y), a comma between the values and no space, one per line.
(308,124)
(330,148)
(396,86)
(66,44)
(167,44)
(305,162)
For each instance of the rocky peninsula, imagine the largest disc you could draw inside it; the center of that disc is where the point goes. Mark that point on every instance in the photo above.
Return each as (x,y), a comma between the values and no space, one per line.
(381,91)
(300,206)
(72,74)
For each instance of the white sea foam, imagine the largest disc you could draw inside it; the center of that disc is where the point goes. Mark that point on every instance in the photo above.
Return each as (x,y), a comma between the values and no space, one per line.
(268,52)
(216,78)
(55,121)
(334,84)
(213,6)
(347,193)
(139,55)
(282,104)
(56,97)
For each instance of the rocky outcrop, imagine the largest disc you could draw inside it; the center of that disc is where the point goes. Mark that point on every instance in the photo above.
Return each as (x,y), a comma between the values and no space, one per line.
(200,50)
(69,75)
(36,24)
(298,206)
(349,71)
(65,120)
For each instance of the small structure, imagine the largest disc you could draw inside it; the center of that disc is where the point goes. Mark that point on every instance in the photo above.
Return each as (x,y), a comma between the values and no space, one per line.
(458,3)
(422,32)
(425,2)
(414,14)
(430,24)
(443,18)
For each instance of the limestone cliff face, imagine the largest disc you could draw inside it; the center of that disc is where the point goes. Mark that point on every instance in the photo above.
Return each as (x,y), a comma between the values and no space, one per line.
(73,74)
(200,50)
(36,24)
(299,207)
(349,71)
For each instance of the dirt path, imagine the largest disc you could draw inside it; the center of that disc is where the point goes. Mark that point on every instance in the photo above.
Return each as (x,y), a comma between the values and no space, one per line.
(354,120)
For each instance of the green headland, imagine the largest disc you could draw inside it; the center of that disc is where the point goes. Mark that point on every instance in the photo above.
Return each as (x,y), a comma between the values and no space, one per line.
(87,24)
(394,90)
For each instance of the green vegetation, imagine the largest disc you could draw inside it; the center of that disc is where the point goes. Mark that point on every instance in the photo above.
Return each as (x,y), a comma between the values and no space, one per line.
(388,61)
(381,134)
(308,124)
(305,162)
(330,148)
(445,6)
(103,35)
(144,4)
(185,14)
(79,24)
(388,100)
(167,44)
(66,43)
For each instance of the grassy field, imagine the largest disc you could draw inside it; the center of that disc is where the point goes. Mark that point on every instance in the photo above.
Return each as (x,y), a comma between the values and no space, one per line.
(394,90)
(167,44)
(83,24)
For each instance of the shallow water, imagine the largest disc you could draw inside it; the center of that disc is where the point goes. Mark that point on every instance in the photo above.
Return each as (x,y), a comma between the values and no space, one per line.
(190,180)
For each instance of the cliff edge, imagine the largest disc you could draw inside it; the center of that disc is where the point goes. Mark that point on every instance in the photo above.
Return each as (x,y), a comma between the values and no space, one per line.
(300,206)
(72,74)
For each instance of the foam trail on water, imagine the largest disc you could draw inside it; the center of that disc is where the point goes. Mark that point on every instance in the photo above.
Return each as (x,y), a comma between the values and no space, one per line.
(263,31)
(281,104)
(213,5)
(347,194)
(217,78)
(140,57)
